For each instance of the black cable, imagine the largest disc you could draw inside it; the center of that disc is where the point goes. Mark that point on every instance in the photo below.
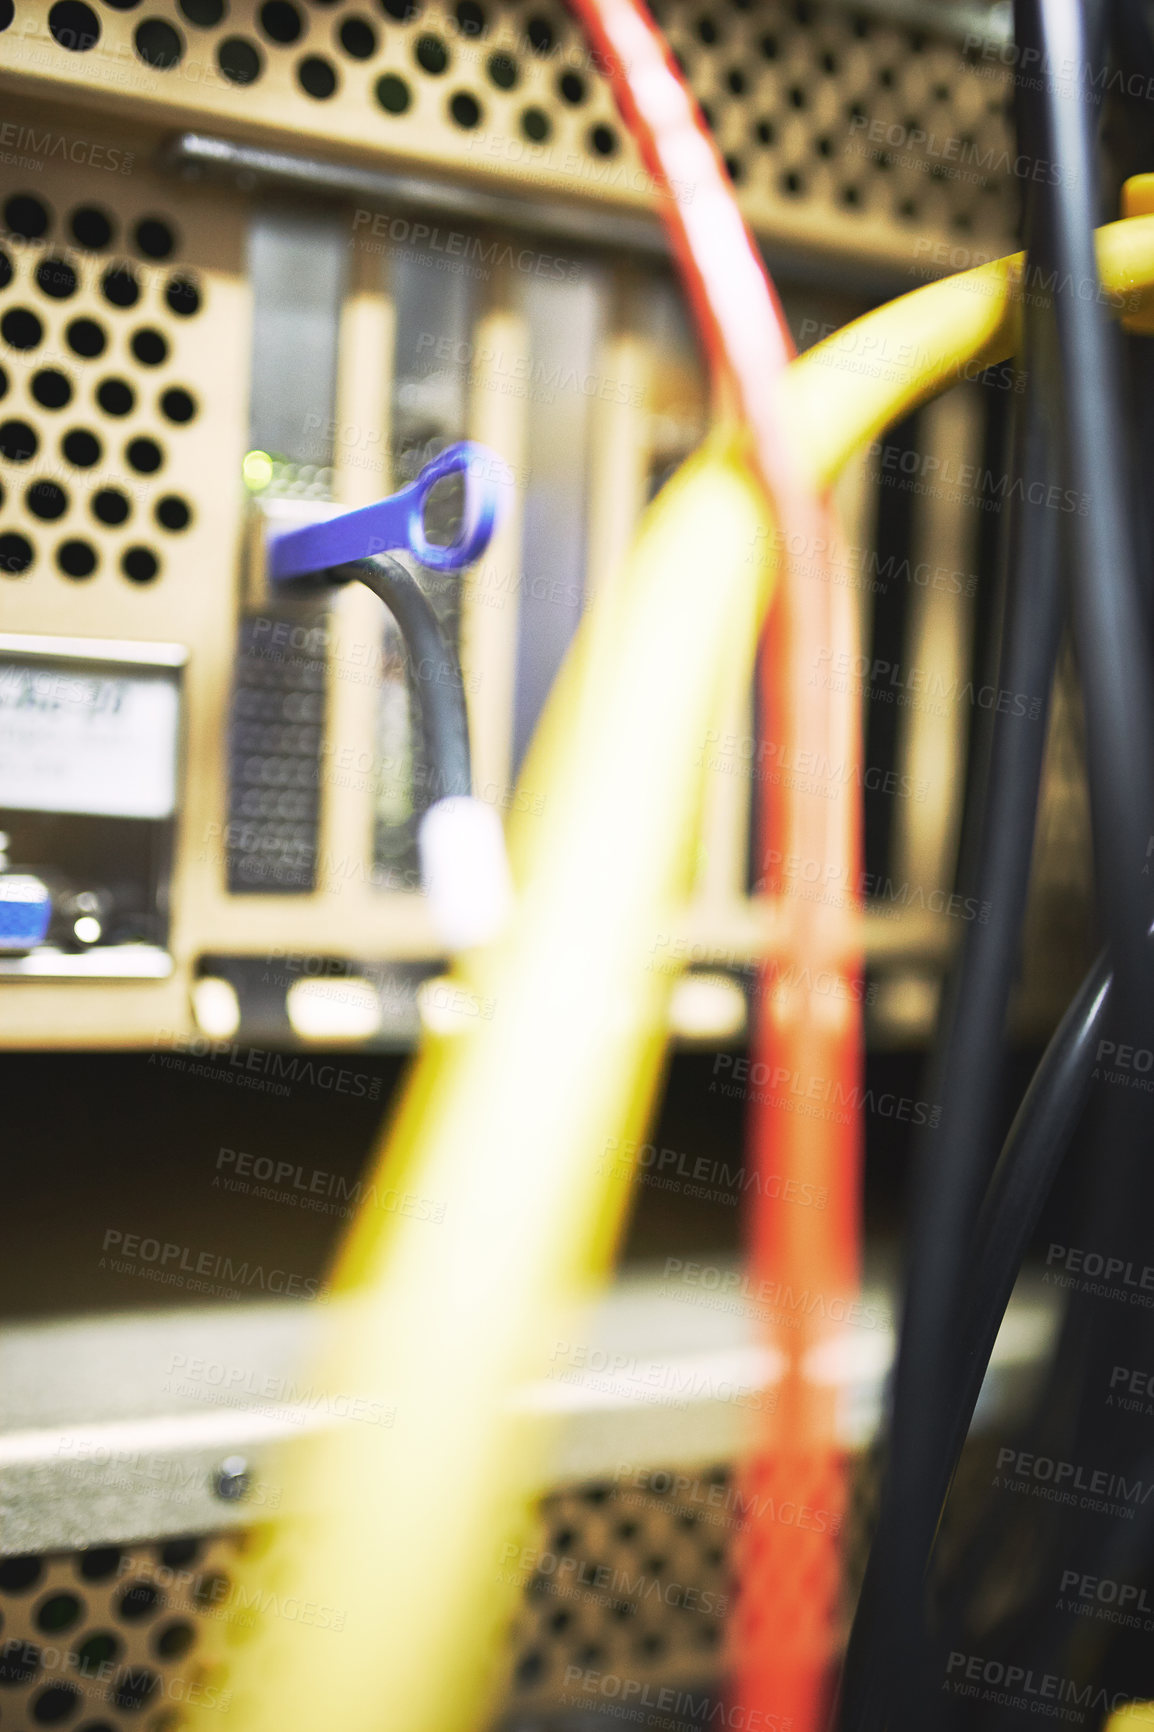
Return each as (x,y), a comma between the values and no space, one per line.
(954,1161)
(1110,637)
(1023,1179)
(434,671)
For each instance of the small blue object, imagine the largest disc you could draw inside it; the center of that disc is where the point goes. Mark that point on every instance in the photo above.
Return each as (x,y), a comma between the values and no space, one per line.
(25,911)
(398,523)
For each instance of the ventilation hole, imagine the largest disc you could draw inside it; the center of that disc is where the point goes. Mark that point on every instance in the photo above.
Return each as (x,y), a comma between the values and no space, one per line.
(861,28)
(154,238)
(886,77)
(56,278)
(111,506)
(183,297)
(733,168)
(851,197)
(150,347)
(768,46)
(797,96)
(280,21)
(203,13)
(829,62)
(3,383)
(25,217)
(539,35)
(103,1646)
(7,13)
(358,38)
(52,390)
(177,405)
(91,228)
(392,93)
(123,5)
(316,78)
(706,114)
(17,1575)
(174,1642)
(55,1704)
(465,109)
(139,565)
(603,140)
(78,560)
(471,19)
(210,1589)
(572,87)
(86,338)
(5,270)
(143,455)
(116,396)
(766,132)
(530,1668)
(431,55)
(98,1563)
(404,11)
(503,70)
(119,287)
(136,1686)
(81,448)
(735,79)
(139,1601)
(706,31)
(179,1553)
(792,184)
(824,147)
(536,125)
(239,61)
(47,500)
(908,209)
(74,26)
(941,93)
(19,1661)
(158,44)
(21,329)
(172,513)
(18,444)
(58,1612)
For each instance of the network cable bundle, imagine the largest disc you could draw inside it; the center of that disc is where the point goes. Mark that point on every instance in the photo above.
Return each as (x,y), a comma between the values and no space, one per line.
(577,799)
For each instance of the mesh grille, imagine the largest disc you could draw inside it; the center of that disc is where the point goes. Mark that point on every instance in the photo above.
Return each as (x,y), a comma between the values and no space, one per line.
(94,399)
(110,1636)
(626,1578)
(840,129)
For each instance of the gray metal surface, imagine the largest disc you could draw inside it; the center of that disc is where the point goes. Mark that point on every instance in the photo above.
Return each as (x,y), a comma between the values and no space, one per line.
(116,1428)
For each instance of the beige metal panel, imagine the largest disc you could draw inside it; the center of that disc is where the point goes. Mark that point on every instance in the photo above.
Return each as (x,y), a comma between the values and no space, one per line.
(932,752)
(844,134)
(364,391)
(620,450)
(491,588)
(937,691)
(191,600)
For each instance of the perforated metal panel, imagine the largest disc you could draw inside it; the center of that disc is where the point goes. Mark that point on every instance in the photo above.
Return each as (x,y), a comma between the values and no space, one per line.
(508,95)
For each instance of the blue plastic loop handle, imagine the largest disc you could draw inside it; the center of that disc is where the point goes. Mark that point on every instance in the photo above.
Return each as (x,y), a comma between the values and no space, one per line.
(398,523)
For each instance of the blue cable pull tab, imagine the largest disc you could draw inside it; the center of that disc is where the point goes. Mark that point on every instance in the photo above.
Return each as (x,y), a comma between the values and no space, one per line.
(397,524)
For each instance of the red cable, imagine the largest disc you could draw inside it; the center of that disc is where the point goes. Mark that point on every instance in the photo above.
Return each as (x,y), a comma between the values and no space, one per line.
(804,1119)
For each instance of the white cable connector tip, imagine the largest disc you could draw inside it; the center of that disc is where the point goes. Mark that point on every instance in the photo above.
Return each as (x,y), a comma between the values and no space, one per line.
(465,871)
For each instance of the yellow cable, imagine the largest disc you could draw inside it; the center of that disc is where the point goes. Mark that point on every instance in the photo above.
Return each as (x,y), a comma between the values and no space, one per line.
(381,1607)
